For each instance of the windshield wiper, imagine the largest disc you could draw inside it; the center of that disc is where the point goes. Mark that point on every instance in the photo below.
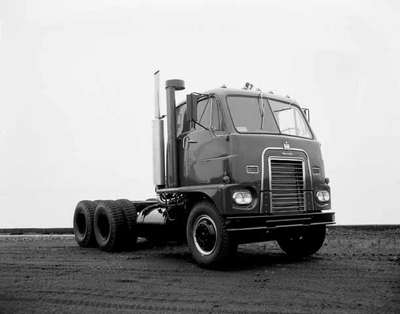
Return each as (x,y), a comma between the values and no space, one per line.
(198,123)
(262,109)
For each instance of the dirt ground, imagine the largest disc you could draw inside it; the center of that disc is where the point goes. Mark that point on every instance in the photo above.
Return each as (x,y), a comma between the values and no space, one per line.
(357,270)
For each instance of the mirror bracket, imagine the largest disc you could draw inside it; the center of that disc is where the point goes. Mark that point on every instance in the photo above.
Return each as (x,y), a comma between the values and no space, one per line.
(306,112)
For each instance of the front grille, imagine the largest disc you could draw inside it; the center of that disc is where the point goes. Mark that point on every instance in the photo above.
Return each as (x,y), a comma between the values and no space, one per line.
(287,185)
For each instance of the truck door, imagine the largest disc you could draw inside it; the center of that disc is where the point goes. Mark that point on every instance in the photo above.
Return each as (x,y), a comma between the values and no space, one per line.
(203,149)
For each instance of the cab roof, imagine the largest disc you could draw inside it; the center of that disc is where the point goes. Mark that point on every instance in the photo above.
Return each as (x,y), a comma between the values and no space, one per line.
(223,92)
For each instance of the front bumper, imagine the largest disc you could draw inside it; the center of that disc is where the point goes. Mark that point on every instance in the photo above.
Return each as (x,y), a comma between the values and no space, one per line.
(268,223)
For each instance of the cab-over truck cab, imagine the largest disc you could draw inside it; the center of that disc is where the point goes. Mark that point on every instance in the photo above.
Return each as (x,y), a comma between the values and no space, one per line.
(253,159)
(241,166)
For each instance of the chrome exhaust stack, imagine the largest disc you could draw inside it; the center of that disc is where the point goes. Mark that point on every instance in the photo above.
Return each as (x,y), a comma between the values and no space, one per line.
(158,137)
(172,152)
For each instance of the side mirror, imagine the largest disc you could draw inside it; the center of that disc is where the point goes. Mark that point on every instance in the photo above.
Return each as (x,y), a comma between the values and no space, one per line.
(191,103)
(306,112)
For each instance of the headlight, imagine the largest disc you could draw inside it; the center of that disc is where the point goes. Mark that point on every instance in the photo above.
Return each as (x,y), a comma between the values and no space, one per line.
(242,197)
(323,196)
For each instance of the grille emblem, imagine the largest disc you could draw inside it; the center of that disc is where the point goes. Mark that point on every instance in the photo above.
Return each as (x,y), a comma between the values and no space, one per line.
(286,145)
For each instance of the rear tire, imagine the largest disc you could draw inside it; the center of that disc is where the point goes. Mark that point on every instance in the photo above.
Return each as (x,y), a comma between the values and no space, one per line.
(110,226)
(83,223)
(303,243)
(208,240)
(130,214)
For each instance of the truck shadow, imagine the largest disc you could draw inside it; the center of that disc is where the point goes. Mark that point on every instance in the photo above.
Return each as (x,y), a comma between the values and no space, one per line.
(246,260)
(144,244)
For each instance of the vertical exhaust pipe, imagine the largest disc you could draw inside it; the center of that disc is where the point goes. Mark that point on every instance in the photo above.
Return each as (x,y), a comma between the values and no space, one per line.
(158,137)
(172,153)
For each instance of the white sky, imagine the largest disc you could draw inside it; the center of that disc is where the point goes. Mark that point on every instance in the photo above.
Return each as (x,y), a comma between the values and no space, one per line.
(76,93)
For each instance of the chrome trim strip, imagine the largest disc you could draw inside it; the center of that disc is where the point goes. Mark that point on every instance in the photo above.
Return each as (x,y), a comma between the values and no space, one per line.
(281,226)
(286,220)
(244,229)
(291,225)
(298,216)
(263,170)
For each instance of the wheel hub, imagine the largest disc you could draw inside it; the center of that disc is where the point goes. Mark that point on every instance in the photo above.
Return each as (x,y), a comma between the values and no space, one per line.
(205,235)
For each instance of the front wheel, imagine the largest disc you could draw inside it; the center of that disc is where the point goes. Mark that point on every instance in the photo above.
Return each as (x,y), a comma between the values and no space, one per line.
(208,240)
(303,243)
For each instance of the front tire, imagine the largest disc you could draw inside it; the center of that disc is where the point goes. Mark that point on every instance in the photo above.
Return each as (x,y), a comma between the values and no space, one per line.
(304,243)
(208,240)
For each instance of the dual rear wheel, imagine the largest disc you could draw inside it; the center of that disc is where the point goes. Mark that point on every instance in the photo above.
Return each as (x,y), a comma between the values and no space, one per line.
(108,224)
(83,223)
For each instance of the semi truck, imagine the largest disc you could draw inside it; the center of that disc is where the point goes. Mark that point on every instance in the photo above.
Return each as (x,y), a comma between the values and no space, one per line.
(238,166)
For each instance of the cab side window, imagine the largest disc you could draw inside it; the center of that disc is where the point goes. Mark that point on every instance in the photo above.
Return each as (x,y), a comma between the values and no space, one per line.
(182,123)
(204,108)
(216,122)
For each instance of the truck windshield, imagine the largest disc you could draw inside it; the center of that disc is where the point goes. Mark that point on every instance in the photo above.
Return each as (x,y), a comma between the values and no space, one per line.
(257,115)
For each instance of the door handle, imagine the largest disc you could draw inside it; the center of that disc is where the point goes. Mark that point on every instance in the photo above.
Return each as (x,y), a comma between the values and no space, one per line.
(187,141)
